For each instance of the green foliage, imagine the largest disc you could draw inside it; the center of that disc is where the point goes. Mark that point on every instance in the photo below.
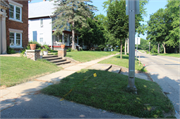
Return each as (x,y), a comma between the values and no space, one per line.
(68,50)
(46,48)
(93,35)
(154,49)
(70,12)
(144,44)
(163,26)
(10,50)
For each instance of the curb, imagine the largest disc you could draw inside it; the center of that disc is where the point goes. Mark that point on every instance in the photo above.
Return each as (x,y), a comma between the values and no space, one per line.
(108,68)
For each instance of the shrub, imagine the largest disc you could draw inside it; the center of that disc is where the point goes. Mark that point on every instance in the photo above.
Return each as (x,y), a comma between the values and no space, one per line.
(46,48)
(154,49)
(10,51)
(68,50)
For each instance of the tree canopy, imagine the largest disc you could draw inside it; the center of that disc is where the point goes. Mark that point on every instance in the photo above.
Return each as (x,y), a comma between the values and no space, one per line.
(69,12)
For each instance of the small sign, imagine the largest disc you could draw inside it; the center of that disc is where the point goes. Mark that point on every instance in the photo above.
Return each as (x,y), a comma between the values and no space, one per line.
(136,7)
(137,41)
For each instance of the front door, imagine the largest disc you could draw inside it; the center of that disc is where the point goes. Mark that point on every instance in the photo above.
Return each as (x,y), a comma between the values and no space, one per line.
(35,36)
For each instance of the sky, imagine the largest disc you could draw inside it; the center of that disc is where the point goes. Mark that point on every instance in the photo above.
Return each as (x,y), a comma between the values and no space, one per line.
(152,7)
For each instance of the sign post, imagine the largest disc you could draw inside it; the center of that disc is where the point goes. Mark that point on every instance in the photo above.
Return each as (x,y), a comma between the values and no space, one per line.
(132,10)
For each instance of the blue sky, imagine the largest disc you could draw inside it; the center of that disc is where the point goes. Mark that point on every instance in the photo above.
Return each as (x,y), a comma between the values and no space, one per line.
(152,7)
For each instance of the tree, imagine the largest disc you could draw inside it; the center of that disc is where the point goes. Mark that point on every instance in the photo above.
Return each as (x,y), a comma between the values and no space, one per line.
(94,34)
(118,23)
(144,44)
(69,12)
(172,12)
(158,29)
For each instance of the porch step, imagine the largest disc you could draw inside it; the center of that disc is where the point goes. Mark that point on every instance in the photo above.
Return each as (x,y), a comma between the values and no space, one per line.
(60,63)
(52,58)
(49,56)
(57,60)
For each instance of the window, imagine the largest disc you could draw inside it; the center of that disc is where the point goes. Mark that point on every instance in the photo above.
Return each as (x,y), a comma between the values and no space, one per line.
(41,40)
(15,39)
(41,37)
(15,13)
(41,22)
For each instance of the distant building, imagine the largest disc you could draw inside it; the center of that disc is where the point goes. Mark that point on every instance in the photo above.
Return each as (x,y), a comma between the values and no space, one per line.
(13,25)
(41,28)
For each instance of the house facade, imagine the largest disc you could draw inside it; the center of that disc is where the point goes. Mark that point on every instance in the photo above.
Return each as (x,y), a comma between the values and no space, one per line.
(41,28)
(14,25)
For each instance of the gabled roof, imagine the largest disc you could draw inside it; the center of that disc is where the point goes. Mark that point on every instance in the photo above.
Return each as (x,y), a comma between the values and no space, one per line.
(41,9)
(4,4)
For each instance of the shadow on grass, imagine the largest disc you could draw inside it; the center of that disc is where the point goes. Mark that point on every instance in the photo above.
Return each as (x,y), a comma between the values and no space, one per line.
(123,57)
(104,92)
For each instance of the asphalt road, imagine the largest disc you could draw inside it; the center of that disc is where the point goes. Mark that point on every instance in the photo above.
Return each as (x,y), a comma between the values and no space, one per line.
(44,106)
(166,72)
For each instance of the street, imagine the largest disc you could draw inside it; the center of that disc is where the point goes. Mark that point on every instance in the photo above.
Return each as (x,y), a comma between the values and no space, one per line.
(166,72)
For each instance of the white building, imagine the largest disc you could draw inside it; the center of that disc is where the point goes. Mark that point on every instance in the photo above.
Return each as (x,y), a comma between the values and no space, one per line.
(40,25)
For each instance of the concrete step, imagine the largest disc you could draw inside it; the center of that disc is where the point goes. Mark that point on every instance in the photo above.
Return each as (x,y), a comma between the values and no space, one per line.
(52,58)
(60,63)
(115,69)
(49,56)
(57,60)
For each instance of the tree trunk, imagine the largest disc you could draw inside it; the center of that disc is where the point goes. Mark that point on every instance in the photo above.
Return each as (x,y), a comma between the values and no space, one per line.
(158,48)
(164,48)
(121,49)
(125,47)
(73,44)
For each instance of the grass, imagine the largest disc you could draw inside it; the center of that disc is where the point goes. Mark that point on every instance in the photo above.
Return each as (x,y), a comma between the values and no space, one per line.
(124,62)
(162,54)
(84,56)
(15,70)
(108,91)
(168,54)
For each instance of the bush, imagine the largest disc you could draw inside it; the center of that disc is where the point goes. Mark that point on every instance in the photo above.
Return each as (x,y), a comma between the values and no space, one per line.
(154,49)
(68,50)
(38,46)
(10,51)
(46,47)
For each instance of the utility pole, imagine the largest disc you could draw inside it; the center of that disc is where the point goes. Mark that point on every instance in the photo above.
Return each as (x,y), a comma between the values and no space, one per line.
(131,12)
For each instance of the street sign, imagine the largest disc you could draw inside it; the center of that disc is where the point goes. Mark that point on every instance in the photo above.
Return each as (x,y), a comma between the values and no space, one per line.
(137,41)
(136,7)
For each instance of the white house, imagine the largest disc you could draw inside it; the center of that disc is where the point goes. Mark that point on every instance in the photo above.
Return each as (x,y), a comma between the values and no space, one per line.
(40,25)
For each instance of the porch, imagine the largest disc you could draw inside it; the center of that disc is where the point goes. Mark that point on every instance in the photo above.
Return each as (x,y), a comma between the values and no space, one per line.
(65,38)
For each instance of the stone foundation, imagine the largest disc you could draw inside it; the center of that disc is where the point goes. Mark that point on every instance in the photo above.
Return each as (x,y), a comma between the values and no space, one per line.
(33,54)
(62,53)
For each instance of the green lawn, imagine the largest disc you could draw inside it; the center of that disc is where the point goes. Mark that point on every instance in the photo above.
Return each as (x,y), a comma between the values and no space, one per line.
(169,54)
(108,91)
(15,70)
(84,56)
(124,62)
(162,54)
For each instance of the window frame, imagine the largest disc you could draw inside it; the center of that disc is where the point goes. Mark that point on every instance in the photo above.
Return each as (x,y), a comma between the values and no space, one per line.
(15,32)
(41,22)
(15,5)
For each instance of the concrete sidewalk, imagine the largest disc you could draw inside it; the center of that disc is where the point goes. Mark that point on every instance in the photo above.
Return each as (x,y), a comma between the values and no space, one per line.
(26,102)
